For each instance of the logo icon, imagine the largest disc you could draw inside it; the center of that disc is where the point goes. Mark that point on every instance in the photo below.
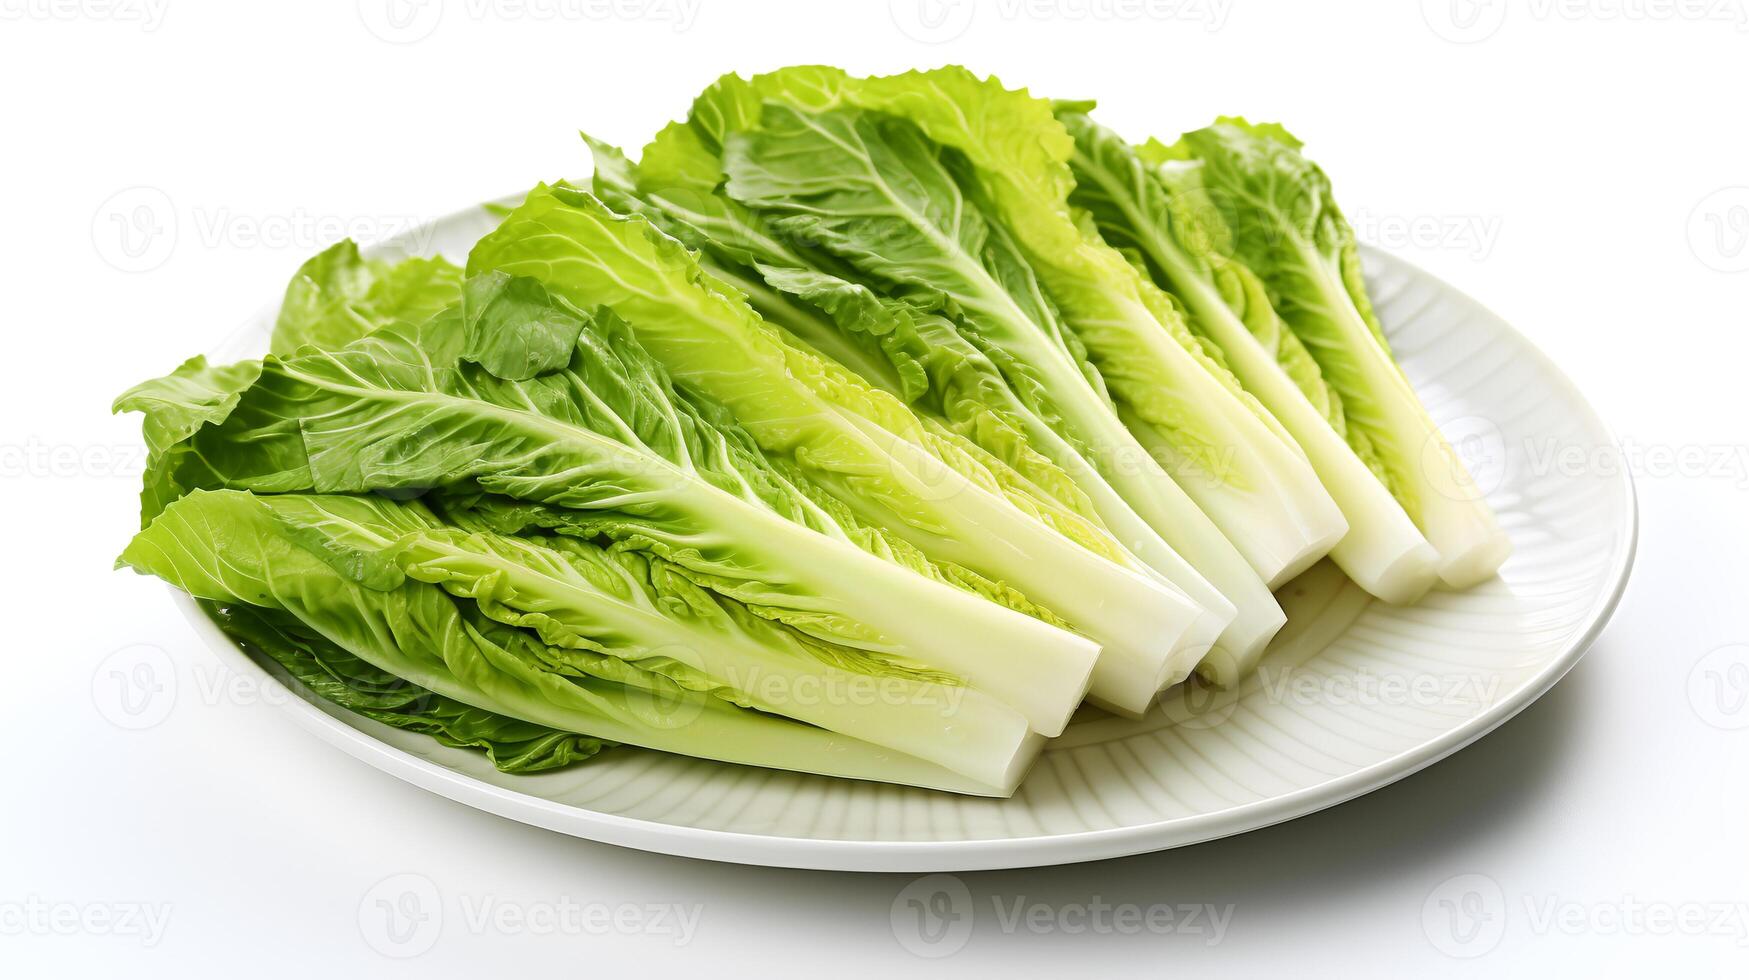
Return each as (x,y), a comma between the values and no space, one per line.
(932,21)
(1718,687)
(400,21)
(1465,916)
(1718,230)
(932,916)
(1197,704)
(665,703)
(401,916)
(134,229)
(1464,21)
(135,687)
(1466,458)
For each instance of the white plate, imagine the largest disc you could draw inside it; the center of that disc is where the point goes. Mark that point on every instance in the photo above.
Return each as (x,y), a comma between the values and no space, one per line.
(1354,695)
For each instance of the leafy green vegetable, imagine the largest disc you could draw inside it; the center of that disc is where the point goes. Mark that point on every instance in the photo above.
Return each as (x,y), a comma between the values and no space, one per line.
(1287,227)
(1056,397)
(176,406)
(297,556)
(339,296)
(1223,449)
(861,444)
(601,611)
(607,437)
(1162,213)
(876,194)
(911,352)
(862,426)
(818,306)
(320,666)
(924,357)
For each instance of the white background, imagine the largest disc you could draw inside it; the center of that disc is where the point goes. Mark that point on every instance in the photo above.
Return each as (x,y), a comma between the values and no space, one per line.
(1582,167)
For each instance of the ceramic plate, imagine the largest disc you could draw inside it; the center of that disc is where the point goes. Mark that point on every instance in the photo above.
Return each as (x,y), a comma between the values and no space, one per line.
(1353,695)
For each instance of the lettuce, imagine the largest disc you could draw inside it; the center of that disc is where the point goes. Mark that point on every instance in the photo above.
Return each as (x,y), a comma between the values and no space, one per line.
(1224,450)
(973,275)
(925,357)
(1287,227)
(595,428)
(862,426)
(338,296)
(961,306)
(597,612)
(913,353)
(859,443)
(818,305)
(299,557)
(1161,214)
(321,667)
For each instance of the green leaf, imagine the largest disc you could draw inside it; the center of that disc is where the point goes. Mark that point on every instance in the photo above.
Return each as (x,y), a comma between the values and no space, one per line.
(338,296)
(327,670)
(1288,228)
(861,444)
(793,284)
(966,211)
(514,329)
(229,547)
(631,458)
(598,610)
(1161,214)
(176,406)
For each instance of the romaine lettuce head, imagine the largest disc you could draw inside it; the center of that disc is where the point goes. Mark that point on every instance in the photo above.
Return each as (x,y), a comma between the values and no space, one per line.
(1160,213)
(352,571)
(1223,448)
(911,180)
(1287,227)
(862,444)
(580,418)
